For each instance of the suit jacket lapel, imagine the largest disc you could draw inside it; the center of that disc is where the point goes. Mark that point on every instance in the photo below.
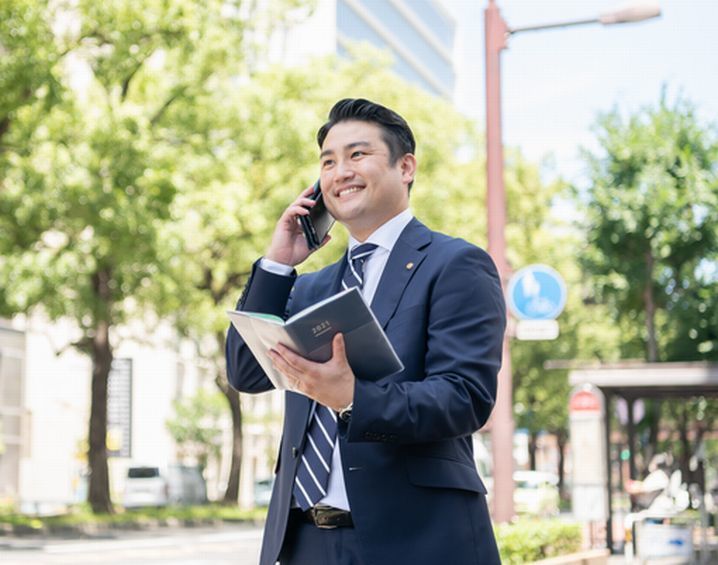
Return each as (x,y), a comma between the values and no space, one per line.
(322,285)
(299,407)
(332,282)
(338,273)
(403,262)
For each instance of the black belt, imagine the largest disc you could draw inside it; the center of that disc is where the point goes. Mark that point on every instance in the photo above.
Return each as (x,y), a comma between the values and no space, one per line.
(325,517)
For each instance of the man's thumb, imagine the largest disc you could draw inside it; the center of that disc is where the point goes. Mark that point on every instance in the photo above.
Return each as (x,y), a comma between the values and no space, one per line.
(338,347)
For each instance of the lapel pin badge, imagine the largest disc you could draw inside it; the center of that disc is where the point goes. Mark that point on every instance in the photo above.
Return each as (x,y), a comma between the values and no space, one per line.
(409,266)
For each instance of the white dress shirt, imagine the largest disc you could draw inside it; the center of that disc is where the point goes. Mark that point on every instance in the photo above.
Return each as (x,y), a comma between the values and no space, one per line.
(385,238)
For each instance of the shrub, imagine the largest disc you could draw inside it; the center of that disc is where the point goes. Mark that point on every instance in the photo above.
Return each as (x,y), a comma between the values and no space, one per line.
(81,516)
(527,540)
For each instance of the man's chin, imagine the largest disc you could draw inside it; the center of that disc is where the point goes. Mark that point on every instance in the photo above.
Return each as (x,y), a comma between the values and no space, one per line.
(344,214)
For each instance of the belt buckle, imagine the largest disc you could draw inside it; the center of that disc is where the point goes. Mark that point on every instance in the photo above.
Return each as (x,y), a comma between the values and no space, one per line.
(317,516)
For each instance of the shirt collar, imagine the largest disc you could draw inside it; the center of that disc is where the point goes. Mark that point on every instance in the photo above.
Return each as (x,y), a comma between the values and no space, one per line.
(385,236)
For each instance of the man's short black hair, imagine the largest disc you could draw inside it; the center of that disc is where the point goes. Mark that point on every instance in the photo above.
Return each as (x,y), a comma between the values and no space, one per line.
(396,133)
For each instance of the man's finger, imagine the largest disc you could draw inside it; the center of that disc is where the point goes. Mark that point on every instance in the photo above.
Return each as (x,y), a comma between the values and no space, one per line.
(292,359)
(307,191)
(282,365)
(339,352)
(297,210)
(304,201)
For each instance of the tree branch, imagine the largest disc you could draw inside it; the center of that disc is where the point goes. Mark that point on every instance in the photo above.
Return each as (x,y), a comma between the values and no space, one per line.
(178,91)
(4,126)
(233,281)
(129,77)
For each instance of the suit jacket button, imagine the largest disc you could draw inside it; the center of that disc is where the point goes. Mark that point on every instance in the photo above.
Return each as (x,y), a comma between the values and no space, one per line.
(295,452)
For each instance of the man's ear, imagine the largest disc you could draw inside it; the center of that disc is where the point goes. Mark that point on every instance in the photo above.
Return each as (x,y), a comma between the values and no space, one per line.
(408,167)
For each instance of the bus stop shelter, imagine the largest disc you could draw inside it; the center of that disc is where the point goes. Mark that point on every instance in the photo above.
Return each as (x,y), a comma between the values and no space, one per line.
(632,381)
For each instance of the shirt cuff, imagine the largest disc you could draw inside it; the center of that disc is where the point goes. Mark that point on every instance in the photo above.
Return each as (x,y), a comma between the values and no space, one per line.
(275,268)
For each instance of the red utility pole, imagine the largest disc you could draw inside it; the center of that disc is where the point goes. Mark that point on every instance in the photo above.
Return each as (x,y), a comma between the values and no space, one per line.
(502,421)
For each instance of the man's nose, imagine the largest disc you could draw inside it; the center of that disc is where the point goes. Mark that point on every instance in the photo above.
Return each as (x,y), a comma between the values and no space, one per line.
(344,170)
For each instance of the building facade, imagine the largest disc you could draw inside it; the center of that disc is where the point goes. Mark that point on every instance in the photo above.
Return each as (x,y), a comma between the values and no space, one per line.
(418,33)
(420,36)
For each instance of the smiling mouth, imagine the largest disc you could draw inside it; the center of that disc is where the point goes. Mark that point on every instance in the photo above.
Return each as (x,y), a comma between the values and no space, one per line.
(348,190)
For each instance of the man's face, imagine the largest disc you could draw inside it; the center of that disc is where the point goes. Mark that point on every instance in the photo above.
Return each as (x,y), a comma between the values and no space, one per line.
(361,189)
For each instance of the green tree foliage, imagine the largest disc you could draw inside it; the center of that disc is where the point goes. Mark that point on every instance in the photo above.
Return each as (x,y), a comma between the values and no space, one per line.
(90,149)
(652,249)
(28,54)
(197,426)
(652,238)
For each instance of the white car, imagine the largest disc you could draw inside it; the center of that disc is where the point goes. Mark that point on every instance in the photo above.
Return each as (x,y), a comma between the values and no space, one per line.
(160,486)
(263,492)
(536,493)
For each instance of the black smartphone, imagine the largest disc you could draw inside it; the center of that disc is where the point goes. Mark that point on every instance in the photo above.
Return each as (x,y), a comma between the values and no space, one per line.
(318,222)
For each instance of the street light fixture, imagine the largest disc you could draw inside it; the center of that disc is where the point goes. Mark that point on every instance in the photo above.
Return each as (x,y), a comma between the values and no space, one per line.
(497,33)
(636,12)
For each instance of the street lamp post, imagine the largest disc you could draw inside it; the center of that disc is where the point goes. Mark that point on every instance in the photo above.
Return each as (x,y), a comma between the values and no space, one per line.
(496,37)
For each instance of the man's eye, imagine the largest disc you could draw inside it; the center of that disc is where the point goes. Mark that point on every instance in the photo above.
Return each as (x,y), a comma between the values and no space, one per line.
(357,154)
(327,163)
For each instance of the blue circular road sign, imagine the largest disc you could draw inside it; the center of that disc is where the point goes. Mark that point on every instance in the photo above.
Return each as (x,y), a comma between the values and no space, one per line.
(536,292)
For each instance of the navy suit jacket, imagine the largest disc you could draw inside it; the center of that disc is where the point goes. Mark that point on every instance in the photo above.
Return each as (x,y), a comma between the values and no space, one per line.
(407,453)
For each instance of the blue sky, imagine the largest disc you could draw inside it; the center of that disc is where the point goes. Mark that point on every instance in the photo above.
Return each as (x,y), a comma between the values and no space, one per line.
(555,82)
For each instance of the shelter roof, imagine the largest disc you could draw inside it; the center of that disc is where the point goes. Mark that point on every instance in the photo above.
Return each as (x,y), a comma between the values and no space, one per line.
(650,380)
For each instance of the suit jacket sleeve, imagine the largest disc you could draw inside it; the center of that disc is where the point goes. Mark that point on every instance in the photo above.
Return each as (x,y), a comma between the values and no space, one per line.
(463,321)
(268,293)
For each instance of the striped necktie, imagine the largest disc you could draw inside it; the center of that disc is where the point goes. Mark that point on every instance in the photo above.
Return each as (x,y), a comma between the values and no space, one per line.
(354,271)
(310,484)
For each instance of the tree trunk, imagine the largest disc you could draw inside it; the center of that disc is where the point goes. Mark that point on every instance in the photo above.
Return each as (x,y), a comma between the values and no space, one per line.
(231,495)
(699,475)
(4,127)
(654,423)
(101,352)
(685,459)
(532,450)
(651,354)
(561,444)
(99,488)
(650,305)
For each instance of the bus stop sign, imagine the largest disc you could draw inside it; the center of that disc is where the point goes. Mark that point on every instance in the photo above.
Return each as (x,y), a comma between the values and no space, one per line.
(536,292)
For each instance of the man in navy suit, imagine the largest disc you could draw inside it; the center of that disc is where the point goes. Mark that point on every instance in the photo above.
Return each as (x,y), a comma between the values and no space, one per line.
(395,482)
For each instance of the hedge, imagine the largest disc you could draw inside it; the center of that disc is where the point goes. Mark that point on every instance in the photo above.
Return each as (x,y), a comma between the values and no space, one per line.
(530,540)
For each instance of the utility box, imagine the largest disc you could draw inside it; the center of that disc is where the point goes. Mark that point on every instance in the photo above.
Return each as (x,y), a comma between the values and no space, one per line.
(658,539)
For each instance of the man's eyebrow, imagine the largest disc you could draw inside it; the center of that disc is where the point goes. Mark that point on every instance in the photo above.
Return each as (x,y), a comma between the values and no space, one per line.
(346,147)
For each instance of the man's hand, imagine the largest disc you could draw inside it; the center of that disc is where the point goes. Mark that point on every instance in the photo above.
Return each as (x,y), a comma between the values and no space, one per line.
(288,245)
(330,383)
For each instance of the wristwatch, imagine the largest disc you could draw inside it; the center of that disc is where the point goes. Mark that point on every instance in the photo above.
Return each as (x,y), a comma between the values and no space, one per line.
(345,414)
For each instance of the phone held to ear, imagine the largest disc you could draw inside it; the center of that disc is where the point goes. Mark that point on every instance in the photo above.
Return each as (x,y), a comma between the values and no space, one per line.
(318,222)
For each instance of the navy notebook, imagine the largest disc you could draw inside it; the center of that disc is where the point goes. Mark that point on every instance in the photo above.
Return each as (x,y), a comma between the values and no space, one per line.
(310,333)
